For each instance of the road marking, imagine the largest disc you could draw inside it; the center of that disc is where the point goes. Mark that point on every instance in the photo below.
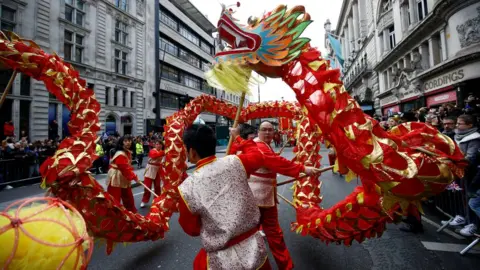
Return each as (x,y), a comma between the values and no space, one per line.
(449,232)
(136,194)
(448,247)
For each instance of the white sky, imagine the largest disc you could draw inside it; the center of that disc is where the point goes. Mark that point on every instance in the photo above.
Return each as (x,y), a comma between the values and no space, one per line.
(319,10)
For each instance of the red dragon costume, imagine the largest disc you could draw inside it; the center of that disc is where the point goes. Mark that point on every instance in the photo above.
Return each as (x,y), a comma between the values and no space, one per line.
(396,168)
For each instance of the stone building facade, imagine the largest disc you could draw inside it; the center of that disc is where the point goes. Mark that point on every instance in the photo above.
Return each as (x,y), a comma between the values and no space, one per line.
(356,31)
(428,53)
(104,40)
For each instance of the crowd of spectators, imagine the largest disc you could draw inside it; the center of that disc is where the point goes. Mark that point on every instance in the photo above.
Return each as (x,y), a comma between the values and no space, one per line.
(461,125)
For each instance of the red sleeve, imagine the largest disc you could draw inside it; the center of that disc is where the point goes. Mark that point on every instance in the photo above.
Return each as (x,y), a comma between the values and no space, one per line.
(123,164)
(279,164)
(251,157)
(155,154)
(190,223)
(234,148)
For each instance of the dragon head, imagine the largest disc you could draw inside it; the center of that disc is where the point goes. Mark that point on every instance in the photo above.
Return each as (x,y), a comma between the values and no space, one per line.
(263,45)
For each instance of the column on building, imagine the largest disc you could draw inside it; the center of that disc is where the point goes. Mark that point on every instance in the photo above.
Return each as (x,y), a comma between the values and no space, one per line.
(343,42)
(406,61)
(111,96)
(443,41)
(351,34)
(362,17)
(411,10)
(424,52)
(15,90)
(119,97)
(127,99)
(347,42)
(356,26)
(59,119)
(389,78)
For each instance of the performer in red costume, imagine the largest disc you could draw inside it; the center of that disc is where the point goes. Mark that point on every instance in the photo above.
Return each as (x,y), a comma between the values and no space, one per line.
(263,184)
(153,172)
(121,174)
(218,206)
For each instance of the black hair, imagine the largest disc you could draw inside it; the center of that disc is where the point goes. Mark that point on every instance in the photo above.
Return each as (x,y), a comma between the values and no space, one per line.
(245,130)
(202,139)
(409,117)
(119,146)
(453,118)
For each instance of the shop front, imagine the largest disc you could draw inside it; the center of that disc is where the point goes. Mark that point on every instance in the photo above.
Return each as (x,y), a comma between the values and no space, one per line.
(389,105)
(439,99)
(453,85)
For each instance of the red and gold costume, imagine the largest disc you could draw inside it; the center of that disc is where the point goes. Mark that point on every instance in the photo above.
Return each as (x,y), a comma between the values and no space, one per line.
(218,206)
(263,183)
(119,176)
(153,173)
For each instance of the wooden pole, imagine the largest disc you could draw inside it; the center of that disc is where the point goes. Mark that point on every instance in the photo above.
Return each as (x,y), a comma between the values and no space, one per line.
(283,147)
(301,177)
(151,191)
(237,117)
(286,200)
(9,85)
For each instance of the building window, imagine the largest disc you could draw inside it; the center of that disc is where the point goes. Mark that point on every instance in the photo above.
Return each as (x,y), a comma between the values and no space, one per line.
(121,33)
(169,73)
(73,47)
(121,4)
(168,20)
(24,85)
(124,98)
(207,88)
(115,97)
(168,46)
(189,35)
(74,11)
(422,9)
(391,35)
(205,66)
(7,22)
(169,100)
(121,62)
(132,100)
(206,47)
(191,81)
(190,58)
(107,95)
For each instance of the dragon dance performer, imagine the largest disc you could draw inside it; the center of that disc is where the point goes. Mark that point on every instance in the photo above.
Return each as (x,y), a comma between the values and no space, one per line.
(153,172)
(263,184)
(218,206)
(121,174)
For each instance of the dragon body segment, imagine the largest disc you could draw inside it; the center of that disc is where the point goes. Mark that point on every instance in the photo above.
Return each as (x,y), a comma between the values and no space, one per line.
(396,168)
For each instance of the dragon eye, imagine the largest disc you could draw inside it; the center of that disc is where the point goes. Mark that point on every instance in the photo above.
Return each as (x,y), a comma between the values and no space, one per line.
(252,21)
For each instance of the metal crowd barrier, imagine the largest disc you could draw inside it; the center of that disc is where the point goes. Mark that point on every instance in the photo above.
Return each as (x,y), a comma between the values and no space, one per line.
(16,173)
(454,202)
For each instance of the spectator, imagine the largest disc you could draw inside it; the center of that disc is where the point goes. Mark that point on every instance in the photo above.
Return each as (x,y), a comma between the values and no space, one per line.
(392,122)
(53,130)
(8,129)
(139,151)
(467,137)
(449,123)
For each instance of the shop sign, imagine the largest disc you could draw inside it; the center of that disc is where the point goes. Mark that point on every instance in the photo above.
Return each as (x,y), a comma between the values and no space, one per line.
(442,98)
(390,110)
(387,100)
(467,72)
(444,80)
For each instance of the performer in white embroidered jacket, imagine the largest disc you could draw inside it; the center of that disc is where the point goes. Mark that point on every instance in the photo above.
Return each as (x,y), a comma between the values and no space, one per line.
(218,205)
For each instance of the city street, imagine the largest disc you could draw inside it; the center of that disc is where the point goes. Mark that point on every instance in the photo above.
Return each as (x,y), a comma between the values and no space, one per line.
(395,250)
